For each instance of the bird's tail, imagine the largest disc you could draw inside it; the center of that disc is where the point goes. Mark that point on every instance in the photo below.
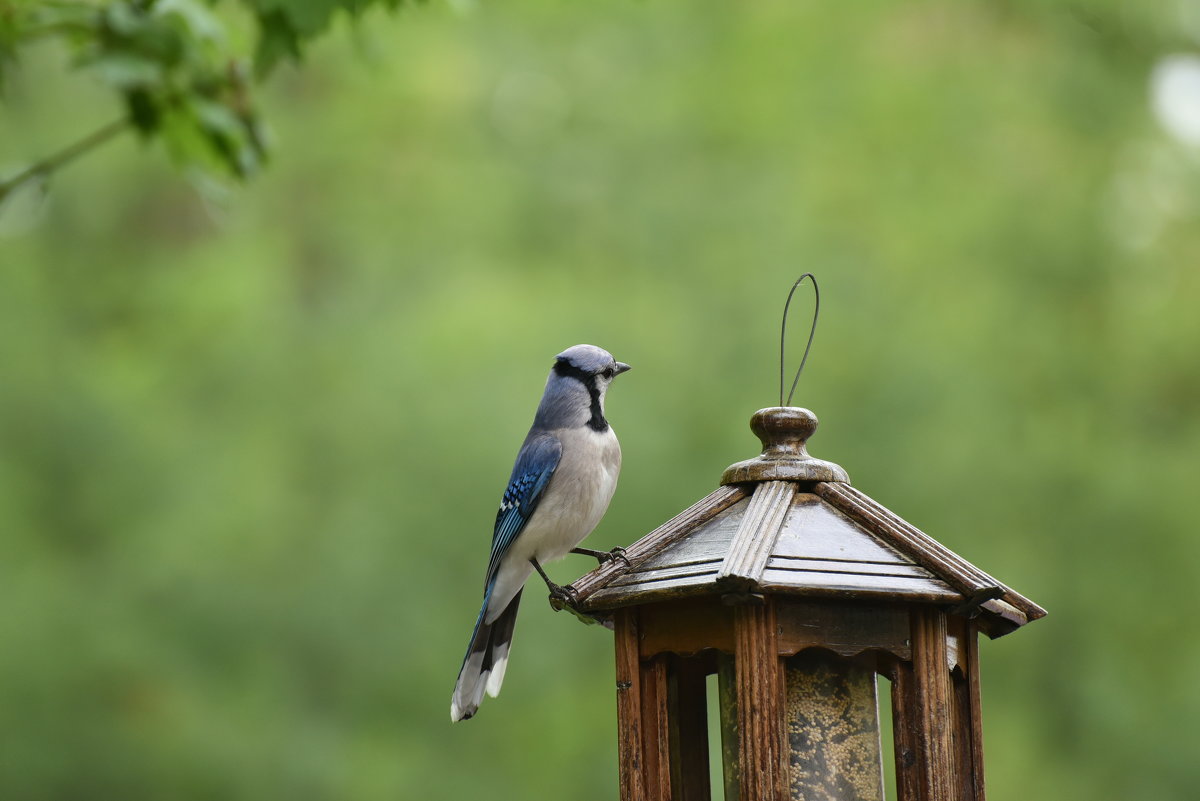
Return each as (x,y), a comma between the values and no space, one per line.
(487,657)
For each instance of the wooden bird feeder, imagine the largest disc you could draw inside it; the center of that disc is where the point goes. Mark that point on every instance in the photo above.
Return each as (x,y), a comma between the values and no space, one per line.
(797,590)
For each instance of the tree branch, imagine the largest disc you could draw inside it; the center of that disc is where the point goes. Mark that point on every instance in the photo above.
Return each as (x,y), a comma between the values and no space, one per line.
(62,157)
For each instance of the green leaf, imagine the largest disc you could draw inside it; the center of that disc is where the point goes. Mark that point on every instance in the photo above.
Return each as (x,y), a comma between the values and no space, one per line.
(216,117)
(231,135)
(199,21)
(127,28)
(125,70)
(306,17)
(277,39)
(185,141)
(144,113)
(124,19)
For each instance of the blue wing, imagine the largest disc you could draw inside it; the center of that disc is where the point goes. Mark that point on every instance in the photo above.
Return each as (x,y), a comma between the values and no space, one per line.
(535,465)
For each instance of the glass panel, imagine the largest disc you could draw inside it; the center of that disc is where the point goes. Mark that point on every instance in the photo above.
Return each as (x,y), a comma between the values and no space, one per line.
(833,728)
(716,779)
(887,741)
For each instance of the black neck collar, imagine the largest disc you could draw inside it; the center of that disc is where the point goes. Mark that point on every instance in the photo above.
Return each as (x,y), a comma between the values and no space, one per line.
(565,369)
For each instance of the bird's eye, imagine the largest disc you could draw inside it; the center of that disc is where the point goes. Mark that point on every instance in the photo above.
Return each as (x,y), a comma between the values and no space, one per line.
(608,373)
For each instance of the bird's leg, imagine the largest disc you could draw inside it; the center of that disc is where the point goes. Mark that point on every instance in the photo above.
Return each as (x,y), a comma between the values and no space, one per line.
(556,591)
(562,598)
(599,556)
(602,556)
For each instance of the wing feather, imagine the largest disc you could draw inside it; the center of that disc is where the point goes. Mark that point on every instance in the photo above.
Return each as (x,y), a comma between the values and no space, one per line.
(535,466)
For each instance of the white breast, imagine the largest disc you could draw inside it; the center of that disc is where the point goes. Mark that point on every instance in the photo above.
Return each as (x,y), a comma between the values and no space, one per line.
(578,494)
(575,499)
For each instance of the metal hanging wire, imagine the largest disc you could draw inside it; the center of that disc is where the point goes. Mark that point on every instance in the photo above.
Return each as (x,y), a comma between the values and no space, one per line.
(783,335)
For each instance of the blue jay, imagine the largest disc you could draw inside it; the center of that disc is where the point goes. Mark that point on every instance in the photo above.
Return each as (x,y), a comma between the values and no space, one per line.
(560,487)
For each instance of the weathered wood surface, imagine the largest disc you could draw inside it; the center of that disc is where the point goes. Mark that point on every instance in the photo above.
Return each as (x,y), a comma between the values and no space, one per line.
(686,566)
(810,564)
(815,529)
(710,541)
(784,432)
(669,573)
(671,646)
(963,777)
(656,743)
(671,531)
(833,729)
(778,541)
(856,585)
(662,723)
(629,706)
(1000,618)
(973,583)
(686,627)
(690,626)
(969,699)
(845,629)
(760,693)
(905,740)
(933,718)
(754,540)
(978,587)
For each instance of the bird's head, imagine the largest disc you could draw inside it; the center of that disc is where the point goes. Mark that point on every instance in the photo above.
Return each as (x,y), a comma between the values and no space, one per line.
(592,365)
(577,387)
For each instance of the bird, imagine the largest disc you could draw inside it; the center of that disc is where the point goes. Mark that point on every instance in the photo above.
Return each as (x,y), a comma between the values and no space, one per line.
(561,484)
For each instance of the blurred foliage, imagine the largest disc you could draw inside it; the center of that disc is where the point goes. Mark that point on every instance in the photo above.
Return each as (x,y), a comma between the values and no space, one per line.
(252,440)
(172,64)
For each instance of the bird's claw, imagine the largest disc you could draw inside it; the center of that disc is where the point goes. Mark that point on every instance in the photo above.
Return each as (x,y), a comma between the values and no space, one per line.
(561,602)
(616,553)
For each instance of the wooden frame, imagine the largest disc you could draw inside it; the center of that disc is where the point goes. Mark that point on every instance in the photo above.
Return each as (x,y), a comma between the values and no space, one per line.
(664,657)
(760,685)
(662,720)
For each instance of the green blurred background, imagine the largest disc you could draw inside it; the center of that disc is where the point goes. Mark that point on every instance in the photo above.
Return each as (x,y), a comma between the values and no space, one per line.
(252,438)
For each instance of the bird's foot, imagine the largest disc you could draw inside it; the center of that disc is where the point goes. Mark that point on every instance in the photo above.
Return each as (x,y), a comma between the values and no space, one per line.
(564,598)
(560,597)
(563,595)
(603,556)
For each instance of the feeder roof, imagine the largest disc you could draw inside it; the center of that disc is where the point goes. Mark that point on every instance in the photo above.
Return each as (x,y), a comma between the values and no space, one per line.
(785,523)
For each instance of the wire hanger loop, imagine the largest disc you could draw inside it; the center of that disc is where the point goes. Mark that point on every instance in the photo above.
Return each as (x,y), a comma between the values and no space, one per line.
(783,335)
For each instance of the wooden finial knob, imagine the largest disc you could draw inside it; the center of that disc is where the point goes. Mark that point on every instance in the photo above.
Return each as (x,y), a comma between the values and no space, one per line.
(784,432)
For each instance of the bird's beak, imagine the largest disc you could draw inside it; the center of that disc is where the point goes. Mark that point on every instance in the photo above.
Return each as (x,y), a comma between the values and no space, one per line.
(622,367)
